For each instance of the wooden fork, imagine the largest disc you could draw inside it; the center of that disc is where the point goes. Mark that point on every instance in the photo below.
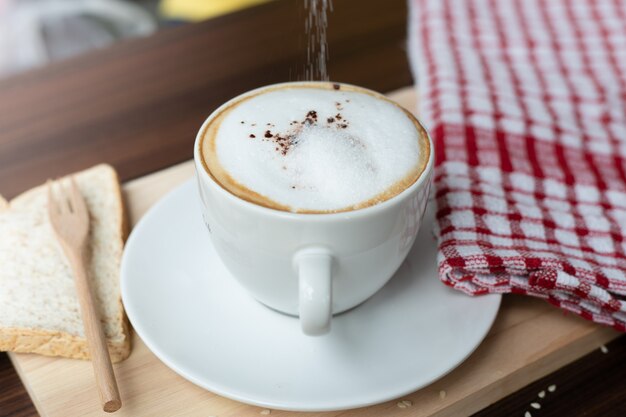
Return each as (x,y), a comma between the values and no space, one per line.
(70,220)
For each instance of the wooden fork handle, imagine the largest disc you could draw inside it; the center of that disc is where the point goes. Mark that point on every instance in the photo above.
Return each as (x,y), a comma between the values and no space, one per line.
(96,340)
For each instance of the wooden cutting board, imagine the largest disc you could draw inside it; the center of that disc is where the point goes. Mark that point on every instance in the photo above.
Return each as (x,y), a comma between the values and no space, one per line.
(529,339)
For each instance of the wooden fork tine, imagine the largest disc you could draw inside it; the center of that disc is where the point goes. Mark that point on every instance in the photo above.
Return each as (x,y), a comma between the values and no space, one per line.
(63,197)
(53,206)
(77,199)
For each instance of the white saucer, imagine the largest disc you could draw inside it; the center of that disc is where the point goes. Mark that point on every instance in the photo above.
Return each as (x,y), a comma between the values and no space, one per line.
(196,318)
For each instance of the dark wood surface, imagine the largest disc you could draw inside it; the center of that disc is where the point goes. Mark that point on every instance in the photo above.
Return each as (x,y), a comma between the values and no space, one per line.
(14,400)
(593,386)
(138,105)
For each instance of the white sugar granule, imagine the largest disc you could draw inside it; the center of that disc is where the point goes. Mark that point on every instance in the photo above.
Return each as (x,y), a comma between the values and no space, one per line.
(405,404)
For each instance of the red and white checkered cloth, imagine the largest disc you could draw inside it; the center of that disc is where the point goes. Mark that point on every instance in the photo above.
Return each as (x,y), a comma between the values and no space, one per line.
(526,103)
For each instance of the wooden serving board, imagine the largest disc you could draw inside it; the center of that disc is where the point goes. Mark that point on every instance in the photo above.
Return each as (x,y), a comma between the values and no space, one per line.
(529,339)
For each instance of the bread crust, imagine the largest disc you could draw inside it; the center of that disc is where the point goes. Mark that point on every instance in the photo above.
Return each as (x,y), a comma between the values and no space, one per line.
(125,345)
(56,343)
(50,343)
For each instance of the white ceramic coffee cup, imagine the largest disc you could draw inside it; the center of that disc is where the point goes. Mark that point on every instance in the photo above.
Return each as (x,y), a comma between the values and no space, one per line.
(311,265)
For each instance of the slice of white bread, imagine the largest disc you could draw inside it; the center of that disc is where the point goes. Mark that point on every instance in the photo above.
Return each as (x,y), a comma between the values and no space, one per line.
(39,310)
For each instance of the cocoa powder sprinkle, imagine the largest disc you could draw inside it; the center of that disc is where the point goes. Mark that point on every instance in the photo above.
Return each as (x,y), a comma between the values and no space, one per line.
(284,142)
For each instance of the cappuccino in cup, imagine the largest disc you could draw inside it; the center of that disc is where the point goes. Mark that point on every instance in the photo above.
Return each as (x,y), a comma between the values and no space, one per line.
(314,147)
(312,193)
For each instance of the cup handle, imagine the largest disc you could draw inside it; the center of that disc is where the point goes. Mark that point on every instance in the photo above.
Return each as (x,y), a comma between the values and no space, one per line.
(314,266)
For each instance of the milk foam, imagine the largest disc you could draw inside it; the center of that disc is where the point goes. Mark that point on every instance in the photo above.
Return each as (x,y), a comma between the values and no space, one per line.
(315,149)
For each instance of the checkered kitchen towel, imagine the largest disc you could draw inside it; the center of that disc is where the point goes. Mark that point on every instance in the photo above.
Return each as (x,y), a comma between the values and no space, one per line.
(526,104)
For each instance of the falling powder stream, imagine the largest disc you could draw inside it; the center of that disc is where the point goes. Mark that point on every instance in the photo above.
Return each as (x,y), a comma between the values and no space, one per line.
(317,46)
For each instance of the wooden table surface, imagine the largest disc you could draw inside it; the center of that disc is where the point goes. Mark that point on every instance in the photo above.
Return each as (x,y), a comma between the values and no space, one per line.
(138,105)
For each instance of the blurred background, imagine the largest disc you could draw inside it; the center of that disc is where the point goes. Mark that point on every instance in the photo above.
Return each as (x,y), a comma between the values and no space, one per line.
(35,32)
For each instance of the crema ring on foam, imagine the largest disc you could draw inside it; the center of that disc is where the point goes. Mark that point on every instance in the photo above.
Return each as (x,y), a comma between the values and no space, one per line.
(314,147)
